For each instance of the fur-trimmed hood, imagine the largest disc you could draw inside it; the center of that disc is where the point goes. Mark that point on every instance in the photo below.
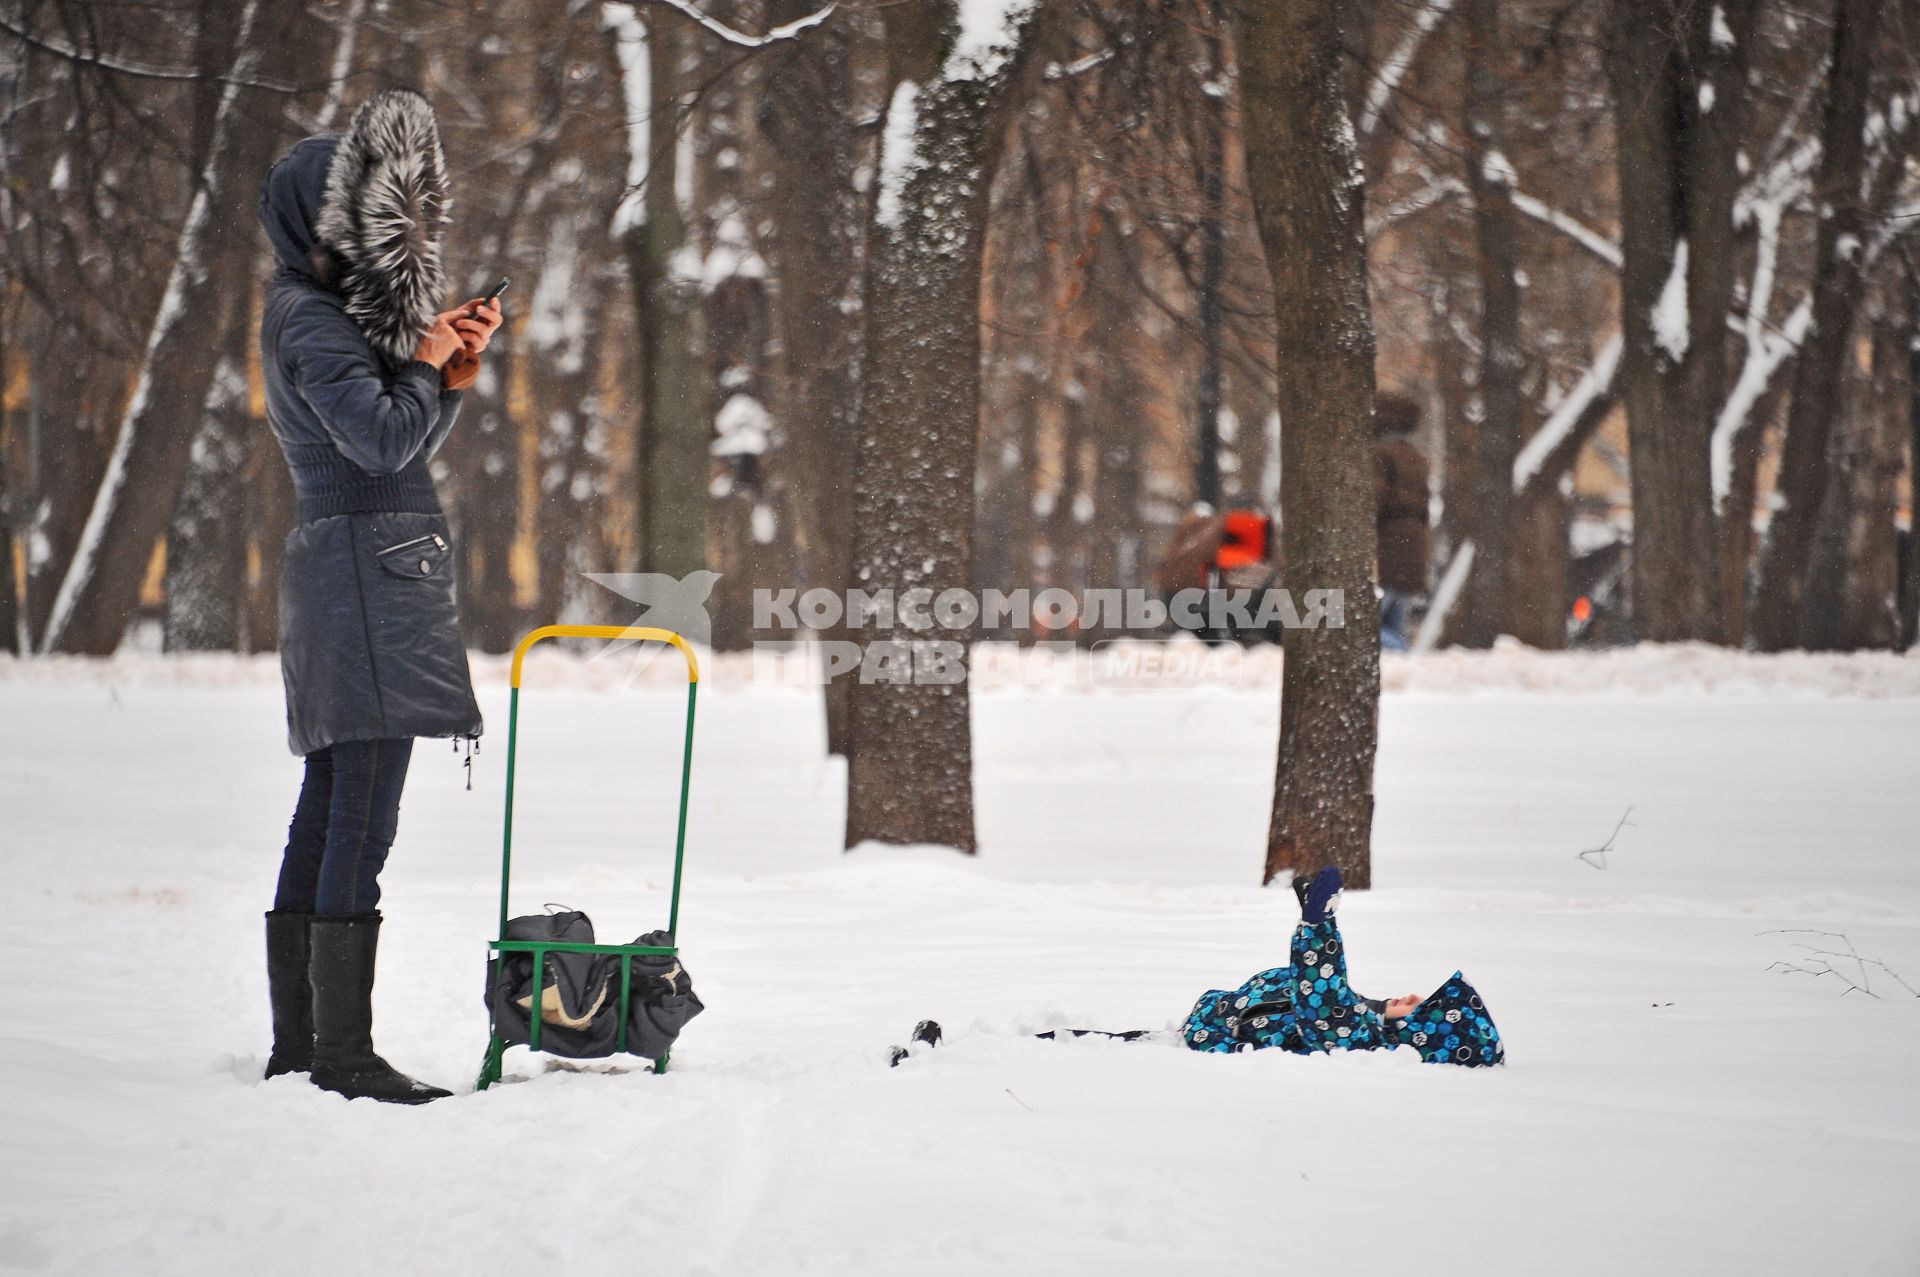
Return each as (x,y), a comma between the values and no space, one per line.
(363,213)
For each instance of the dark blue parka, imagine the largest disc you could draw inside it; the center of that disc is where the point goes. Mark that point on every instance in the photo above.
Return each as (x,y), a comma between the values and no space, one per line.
(370,642)
(1308,1007)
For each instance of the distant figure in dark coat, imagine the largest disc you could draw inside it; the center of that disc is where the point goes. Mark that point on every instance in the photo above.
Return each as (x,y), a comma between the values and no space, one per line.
(363,373)
(1400,474)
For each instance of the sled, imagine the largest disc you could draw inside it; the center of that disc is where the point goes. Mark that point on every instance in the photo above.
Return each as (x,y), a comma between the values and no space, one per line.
(496,1048)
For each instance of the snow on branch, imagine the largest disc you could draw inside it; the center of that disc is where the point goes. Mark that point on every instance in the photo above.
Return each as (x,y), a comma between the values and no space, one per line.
(1768,351)
(1572,227)
(141,70)
(740,39)
(989,30)
(1434,193)
(1765,350)
(742,428)
(1670,313)
(1057,71)
(897,152)
(1567,417)
(1453,583)
(1441,190)
(630,49)
(1387,80)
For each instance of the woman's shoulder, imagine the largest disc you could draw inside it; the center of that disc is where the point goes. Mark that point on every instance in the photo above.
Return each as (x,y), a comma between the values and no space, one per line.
(293,296)
(300,317)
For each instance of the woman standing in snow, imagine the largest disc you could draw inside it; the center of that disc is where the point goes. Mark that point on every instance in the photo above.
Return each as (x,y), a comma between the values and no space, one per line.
(363,375)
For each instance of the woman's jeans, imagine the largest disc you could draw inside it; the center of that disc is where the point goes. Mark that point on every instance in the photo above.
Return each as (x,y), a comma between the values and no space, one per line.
(348,812)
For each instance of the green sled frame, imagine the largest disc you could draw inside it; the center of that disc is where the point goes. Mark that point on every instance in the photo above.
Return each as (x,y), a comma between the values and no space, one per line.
(539,949)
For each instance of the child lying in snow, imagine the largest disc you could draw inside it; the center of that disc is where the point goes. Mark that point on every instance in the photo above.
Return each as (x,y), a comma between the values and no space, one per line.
(1307,1006)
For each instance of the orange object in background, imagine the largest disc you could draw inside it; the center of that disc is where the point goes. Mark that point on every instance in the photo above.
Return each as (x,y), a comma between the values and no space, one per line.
(1248,540)
(1582,609)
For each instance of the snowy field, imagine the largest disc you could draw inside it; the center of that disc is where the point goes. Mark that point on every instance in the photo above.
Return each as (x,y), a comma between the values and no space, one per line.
(1672,1105)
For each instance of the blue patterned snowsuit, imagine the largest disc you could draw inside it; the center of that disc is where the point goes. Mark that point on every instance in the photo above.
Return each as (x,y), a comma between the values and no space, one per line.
(1308,1006)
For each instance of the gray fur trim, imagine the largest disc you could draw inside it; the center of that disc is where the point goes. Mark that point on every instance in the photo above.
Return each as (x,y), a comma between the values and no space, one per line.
(383,217)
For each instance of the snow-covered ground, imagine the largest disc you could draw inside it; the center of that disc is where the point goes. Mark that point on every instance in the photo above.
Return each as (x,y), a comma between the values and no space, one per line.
(1672,1105)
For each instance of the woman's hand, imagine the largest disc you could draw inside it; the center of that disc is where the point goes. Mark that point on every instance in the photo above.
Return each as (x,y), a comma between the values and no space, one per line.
(438,343)
(475,322)
(1401,1008)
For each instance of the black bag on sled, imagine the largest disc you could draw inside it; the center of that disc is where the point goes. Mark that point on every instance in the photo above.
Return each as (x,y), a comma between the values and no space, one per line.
(580,1002)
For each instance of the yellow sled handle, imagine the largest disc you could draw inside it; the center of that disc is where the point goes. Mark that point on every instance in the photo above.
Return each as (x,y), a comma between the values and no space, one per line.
(490,1069)
(638,633)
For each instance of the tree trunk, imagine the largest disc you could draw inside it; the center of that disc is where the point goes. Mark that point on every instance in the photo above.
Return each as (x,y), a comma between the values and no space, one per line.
(13,364)
(566,372)
(494,453)
(1114,377)
(489,503)
(743,515)
(675,425)
(1910,587)
(1736,512)
(1778,615)
(1307,191)
(1678,88)
(1459,441)
(1854,586)
(910,767)
(270,506)
(1213,267)
(817,216)
(1537,614)
(135,498)
(1490,179)
(207,540)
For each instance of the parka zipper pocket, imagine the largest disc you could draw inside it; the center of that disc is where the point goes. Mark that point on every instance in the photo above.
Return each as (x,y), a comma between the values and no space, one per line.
(414,559)
(1256,1018)
(434,538)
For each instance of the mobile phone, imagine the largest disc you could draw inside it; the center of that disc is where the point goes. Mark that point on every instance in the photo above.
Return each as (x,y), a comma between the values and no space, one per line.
(499,288)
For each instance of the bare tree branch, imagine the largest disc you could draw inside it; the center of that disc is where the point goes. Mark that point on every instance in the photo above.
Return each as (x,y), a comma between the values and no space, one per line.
(785,31)
(1386,81)
(142,70)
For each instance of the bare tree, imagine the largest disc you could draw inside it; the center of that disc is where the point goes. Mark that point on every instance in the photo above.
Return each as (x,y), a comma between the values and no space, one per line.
(675,425)
(910,769)
(1308,196)
(135,498)
(207,542)
(1910,578)
(1679,85)
(1491,181)
(818,216)
(1778,612)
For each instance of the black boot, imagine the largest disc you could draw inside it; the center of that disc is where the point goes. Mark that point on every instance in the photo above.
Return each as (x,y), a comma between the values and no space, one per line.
(290,994)
(342,974)
(927,1031)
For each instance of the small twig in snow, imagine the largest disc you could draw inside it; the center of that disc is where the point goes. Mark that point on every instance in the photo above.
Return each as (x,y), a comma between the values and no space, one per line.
(1819,962)
(1017,1100)
(1597,856)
